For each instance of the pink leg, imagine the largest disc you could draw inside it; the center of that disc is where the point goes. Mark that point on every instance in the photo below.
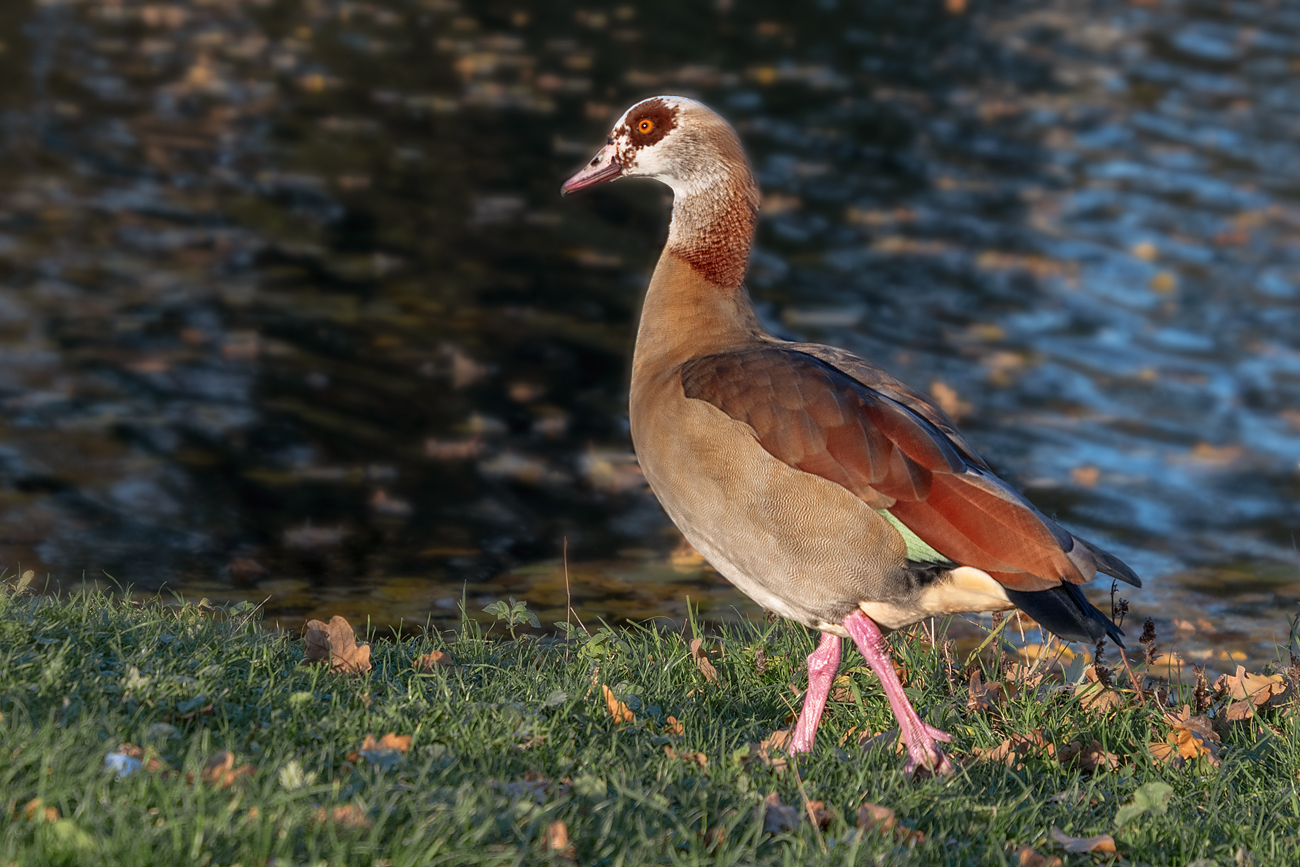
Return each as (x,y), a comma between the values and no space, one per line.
(923,751)
(822,665)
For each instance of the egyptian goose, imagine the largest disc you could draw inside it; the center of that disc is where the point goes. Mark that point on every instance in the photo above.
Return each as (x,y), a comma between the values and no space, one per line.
(823,488)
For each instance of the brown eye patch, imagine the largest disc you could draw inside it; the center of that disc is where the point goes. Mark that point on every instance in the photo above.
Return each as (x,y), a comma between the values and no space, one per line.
(651,121)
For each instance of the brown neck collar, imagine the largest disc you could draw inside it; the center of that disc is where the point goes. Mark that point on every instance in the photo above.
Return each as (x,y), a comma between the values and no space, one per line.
(713,224)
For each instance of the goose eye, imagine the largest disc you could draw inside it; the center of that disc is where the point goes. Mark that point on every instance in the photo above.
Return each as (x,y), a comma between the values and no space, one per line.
(645,125)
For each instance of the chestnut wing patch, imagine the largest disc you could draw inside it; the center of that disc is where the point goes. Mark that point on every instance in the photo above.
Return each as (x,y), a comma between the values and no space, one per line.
(817,418)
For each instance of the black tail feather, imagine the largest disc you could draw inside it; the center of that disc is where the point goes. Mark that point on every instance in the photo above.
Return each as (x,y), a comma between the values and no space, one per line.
(1066,612)
(1109,564)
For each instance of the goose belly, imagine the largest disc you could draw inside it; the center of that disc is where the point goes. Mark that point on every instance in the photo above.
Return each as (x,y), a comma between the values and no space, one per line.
(795,543)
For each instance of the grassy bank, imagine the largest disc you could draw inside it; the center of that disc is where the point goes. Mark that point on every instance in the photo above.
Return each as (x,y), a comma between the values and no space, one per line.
(515,744)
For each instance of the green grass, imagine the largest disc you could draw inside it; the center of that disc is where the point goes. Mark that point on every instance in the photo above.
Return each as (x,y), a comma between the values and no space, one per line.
(82,674)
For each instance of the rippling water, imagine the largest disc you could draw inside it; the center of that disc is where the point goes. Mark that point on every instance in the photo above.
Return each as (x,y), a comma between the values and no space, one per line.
(292,309)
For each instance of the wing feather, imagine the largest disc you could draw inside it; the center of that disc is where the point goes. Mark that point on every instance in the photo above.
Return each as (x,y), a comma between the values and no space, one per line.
(893,450)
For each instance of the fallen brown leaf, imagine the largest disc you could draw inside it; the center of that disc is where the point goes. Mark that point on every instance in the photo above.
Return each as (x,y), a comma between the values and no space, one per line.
(220,771)
(1096,697)
(702,660)
(882,741)
(777,740)
(1088,757)
(1027,857)
(1190,737)
(435,660)
(778,817)
(36,809)
(770,753)
(390,741)
(1183,718)
(1235,712)
(350,816)
(557,842)
(984,697)
(385,751)
(130,751)
(690,758)
(617,709)
(1103,843)
(673,726)
(1023,676)
(336,644)
(819,814)
(873,818)
(1012,751)
(1258,689)
(715,837)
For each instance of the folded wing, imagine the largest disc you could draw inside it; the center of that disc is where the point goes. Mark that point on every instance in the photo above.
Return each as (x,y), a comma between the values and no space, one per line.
(895,452)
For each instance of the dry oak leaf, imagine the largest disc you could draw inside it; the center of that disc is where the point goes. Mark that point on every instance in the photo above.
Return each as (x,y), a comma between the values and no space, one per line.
(220,771)
(335,643)
(1190,738)
(1094,696)
(434,660)
(1235,712)
(702,660)
(768,753)
(777,817)
(350,816)
(772,750)
(1103,843)
(1258,689)
(617,709)
(1012,751)
(984,696)
(36,809)
(1183,718)
(389,742)
(690,758)
(1027,857)
(1019,674)
(1183,745)
(557,842)
(1088,757)
(873,818)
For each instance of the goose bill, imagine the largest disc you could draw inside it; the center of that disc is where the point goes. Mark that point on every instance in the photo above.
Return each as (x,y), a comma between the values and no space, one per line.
(604,166)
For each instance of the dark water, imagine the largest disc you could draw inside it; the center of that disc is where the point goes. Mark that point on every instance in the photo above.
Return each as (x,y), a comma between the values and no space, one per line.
(292,308)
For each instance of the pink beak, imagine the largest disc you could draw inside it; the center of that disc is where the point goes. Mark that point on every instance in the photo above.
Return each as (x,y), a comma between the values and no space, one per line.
(604,166)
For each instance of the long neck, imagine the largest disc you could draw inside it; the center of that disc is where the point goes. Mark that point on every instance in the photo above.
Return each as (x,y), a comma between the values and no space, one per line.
(713,224)
(696,303)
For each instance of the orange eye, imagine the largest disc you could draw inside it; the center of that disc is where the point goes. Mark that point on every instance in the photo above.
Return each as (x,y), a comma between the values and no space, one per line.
(645,126)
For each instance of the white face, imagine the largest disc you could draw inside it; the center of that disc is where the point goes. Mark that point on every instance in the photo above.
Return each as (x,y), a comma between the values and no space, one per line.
(642,137)
(645,143)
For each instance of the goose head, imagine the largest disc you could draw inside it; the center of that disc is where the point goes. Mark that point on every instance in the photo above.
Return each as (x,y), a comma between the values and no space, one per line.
(673,139)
